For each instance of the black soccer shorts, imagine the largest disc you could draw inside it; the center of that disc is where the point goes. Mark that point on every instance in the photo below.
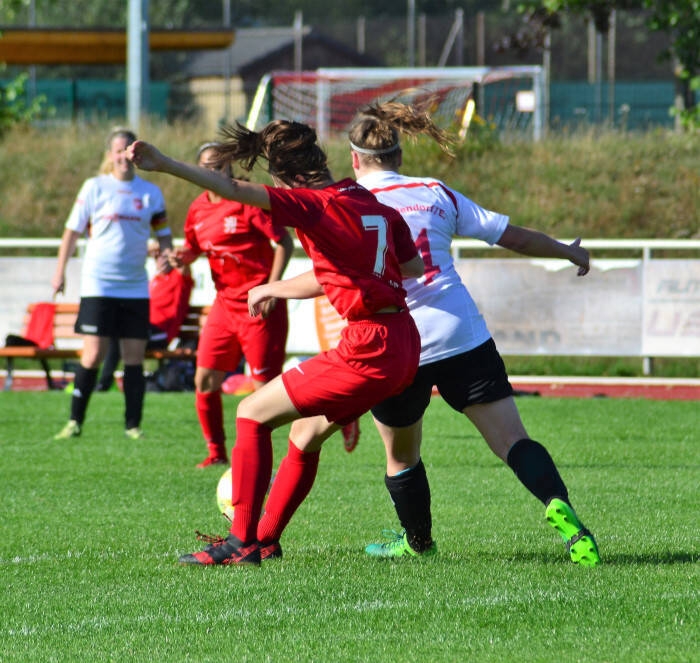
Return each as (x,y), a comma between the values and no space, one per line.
(115,317)
(475,376)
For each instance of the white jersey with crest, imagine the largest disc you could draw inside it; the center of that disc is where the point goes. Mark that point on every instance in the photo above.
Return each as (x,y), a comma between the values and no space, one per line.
(447,317)
(119,217)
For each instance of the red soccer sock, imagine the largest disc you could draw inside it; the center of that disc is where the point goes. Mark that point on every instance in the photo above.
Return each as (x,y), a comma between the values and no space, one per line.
(211,419)
(251,469)
(292,484)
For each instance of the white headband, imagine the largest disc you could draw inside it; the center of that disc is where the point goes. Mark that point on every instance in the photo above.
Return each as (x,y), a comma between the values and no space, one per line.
(364,150)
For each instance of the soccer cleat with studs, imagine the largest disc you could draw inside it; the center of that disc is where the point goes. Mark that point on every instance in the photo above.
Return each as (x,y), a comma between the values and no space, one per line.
(270,550)
(212,460)
(227,551)
(397,546)
(580,543)
(71,429)
(134,433)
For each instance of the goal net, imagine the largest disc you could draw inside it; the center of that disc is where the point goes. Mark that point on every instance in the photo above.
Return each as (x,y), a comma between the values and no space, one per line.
(511,99)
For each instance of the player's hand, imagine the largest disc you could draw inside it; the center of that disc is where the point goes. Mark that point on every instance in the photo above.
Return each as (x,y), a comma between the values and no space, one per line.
(267,306)
(581,257)
(175,259)
(58,284)
(163,262)
(145,155)
(257,297)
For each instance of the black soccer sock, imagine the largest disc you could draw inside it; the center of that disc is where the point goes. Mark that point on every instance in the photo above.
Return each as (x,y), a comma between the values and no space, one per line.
(109,365)
(83,386)
(535,468)
(134,390)
(410,493)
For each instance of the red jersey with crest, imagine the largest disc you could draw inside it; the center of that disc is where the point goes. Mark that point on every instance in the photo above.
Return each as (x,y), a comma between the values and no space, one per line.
(356,244)
(236,239)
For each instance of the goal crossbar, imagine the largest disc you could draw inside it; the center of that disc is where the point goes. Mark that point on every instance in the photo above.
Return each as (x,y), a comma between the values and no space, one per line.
(328,98)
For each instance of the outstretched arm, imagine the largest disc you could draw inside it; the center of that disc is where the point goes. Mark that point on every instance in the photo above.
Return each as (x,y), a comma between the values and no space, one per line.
(148,157)
(537,244)
(304,286)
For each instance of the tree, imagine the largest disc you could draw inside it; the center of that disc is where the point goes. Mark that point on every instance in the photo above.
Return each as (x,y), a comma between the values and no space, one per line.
(13,106)
(680,18)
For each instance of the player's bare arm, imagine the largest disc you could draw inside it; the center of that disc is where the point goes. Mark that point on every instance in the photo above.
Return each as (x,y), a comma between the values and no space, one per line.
(534,243)
(304,286)
(165,251)
(65,251)
(412,269)
(149,157)
(283,252)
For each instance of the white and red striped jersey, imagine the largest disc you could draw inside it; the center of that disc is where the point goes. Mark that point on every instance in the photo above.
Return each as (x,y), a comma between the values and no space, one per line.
(120,216)
(447,317)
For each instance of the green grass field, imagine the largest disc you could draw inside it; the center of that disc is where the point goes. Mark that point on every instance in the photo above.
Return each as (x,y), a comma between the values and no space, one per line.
(92,528)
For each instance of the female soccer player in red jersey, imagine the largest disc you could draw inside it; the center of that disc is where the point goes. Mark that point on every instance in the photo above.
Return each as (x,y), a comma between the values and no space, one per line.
(237,240)
(360,251)
(458,355)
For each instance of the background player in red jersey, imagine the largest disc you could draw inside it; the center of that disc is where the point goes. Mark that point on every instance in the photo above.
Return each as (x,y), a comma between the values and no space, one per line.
(237,240)
(360,251)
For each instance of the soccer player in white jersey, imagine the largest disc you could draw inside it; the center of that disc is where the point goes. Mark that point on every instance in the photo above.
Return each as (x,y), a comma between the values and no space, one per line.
(118,210)
(458,355)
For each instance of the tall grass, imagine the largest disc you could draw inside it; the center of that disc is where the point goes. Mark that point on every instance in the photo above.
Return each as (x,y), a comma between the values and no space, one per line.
(92,529)
(609,185)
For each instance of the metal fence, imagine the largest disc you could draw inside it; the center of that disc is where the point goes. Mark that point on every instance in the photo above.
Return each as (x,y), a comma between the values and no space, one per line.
(641,303)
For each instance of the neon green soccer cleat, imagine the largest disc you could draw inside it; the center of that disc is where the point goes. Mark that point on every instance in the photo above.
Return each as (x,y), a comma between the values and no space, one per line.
(580,543)
(134,433)
(71,429)
(397,546)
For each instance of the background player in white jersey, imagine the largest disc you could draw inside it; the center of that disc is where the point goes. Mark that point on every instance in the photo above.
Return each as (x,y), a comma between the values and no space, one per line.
(118,211)
(458,355)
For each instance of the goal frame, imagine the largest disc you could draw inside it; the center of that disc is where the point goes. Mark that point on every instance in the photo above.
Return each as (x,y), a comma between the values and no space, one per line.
(322,79)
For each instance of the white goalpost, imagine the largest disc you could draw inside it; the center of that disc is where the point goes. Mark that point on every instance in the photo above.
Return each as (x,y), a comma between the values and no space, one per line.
(510,99)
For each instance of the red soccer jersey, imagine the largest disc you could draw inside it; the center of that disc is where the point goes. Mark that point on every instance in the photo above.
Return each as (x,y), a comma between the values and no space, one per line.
(236,239)
(355,244)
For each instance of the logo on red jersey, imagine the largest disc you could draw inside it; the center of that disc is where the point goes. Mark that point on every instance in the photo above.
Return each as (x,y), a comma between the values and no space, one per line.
(230,224)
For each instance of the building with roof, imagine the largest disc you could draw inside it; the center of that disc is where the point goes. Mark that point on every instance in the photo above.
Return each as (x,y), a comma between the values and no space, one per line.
(221,83)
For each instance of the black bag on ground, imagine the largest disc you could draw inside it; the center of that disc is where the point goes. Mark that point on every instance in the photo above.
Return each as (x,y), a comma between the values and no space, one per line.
(172,375)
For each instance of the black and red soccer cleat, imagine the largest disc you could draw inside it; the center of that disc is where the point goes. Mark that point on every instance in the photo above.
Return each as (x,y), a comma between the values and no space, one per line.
(213,460)
(228,551)
(270,550)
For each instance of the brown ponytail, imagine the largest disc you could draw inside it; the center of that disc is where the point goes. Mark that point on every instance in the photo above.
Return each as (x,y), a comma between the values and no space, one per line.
(377,127)
(290,148)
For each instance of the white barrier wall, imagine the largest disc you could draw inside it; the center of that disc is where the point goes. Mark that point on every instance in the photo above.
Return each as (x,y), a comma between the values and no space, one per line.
(621,308)
(671,322)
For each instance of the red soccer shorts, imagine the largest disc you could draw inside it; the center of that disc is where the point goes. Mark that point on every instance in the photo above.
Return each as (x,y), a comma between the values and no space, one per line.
(376,358)
(230,334)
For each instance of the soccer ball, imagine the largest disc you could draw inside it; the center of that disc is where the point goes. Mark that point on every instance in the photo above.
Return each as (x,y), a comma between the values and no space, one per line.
(224,493)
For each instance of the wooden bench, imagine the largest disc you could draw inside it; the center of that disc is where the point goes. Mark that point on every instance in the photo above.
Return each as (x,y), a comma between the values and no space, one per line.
(67,343)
